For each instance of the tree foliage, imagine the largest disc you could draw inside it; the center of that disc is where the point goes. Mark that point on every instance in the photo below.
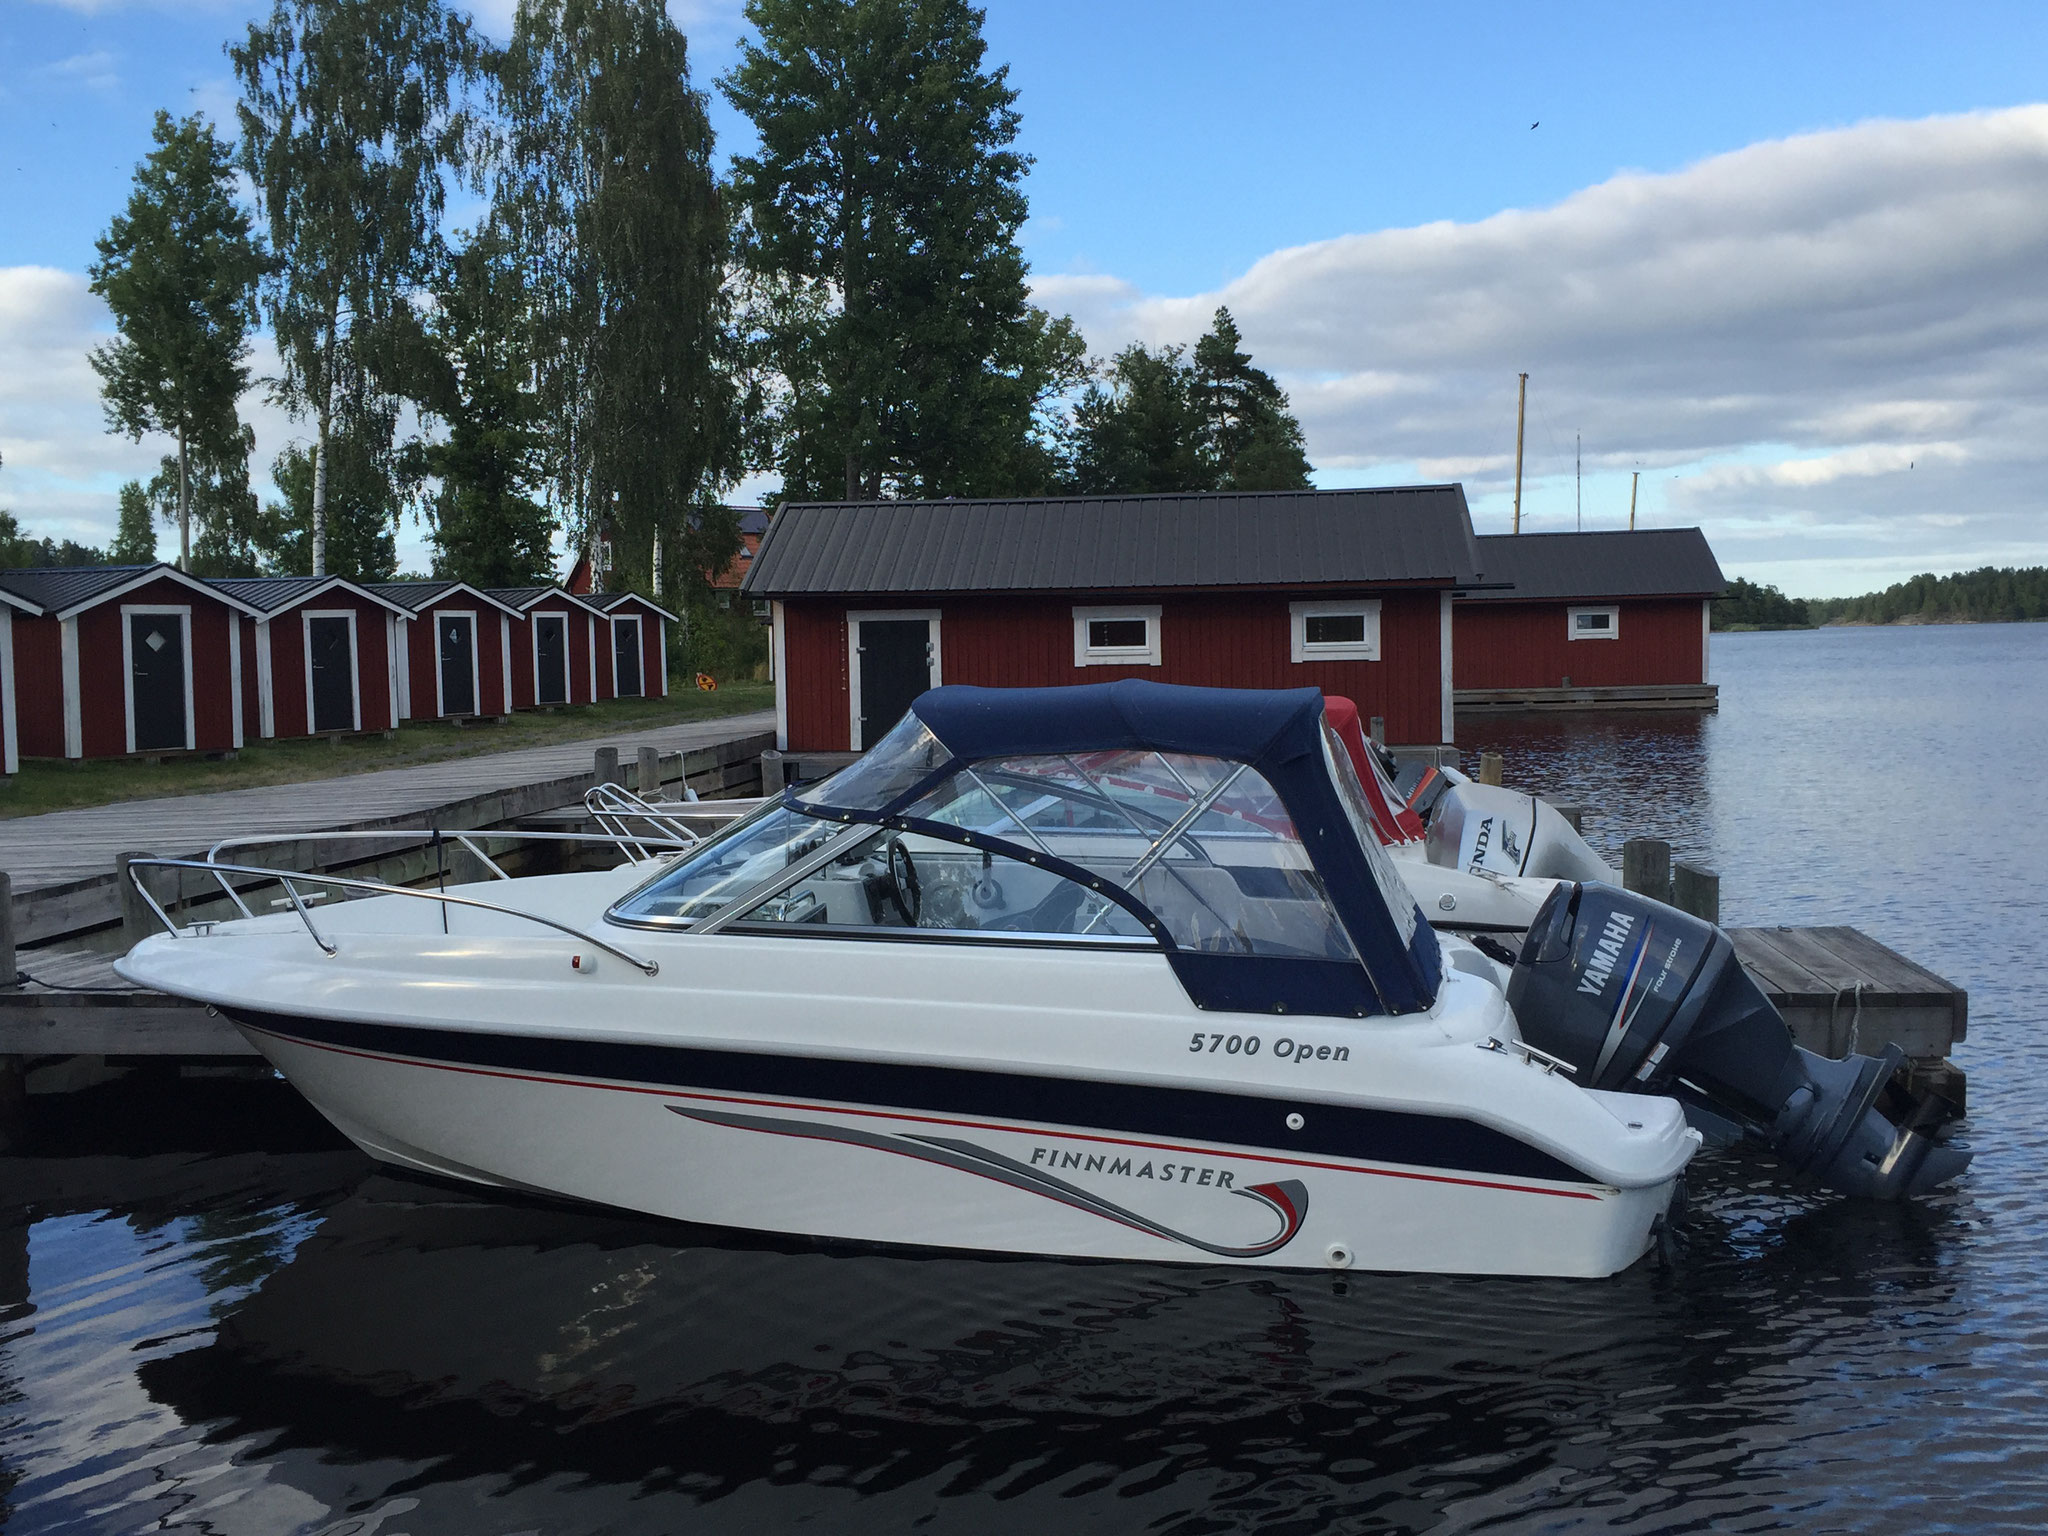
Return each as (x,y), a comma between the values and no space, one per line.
(361,512)
(879,220)
(608,199)
(1165,421)
(352,117)
(1989,595)
(487,528)
(135,536)
(1747,605)
(179,269)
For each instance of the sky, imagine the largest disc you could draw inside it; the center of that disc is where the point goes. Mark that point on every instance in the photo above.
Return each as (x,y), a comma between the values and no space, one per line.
(1788,264)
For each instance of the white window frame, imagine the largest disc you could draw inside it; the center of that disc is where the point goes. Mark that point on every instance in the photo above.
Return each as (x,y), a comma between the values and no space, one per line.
(476,681)
(184,613)
(639,646)
(1612,632)
(854,620)
(1301,650)
(568,672)
(1146,655)
(355,670)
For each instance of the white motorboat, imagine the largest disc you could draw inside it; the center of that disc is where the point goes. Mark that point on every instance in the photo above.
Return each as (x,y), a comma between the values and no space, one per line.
(1104,972)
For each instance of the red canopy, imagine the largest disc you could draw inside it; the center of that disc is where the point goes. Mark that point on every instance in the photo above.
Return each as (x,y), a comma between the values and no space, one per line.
(1391,819)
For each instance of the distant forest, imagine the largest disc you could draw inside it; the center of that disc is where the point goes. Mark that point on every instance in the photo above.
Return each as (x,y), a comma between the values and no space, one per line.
(1992,595)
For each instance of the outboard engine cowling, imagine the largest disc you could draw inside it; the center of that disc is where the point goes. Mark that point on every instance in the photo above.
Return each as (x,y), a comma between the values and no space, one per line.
(1642,997)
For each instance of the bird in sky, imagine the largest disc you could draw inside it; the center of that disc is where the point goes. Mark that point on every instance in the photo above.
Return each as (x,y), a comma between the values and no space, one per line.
(1535,125)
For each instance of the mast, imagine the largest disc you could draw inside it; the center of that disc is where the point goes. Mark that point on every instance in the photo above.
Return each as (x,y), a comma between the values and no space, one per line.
(1632,479)
(1521,414)
(1578,485)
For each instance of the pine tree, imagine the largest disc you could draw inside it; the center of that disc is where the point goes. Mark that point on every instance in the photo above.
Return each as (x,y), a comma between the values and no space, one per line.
(352,118)
(1251,441)
(178,269)
(879,219)
(609,201)
(1143,432)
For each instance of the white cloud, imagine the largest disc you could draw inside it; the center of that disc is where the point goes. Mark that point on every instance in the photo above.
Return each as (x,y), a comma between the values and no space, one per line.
(1837,342)
(95,71)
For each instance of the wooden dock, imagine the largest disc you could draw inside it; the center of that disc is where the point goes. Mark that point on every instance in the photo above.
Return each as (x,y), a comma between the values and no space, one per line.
(1501,701)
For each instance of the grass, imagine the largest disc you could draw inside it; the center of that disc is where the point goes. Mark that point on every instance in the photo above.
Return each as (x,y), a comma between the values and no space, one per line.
(44,785)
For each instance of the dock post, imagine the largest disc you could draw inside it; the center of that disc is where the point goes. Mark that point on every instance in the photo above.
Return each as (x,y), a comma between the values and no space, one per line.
(607,768)
(1490,768)
(8,971)
(1646,867)
(1697,890)
(649,785)
(771,772)
(1378,733)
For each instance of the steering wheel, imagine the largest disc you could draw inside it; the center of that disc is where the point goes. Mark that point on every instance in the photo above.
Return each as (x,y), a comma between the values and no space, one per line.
(904,887)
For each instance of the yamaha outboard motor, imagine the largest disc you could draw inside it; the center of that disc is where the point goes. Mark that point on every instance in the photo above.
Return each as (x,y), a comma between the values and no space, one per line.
(1639,996)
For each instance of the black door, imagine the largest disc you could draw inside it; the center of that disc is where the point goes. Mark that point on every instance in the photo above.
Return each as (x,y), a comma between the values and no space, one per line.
(626,658)
(334,704)
(895,667)
(550,658)
(457,638)
(157,647)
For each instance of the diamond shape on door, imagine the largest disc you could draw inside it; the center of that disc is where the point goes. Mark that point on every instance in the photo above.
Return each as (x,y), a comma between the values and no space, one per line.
(156,640)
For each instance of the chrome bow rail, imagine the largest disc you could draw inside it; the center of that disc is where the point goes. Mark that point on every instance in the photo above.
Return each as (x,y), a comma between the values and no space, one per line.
(637,845)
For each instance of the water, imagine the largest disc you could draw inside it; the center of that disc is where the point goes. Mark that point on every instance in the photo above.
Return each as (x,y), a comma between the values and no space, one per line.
(214,1318)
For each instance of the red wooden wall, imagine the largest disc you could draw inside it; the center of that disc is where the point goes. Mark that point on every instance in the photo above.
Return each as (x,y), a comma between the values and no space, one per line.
(422,658)
(38,686)
(103,709)
(289,704)
(1220,640)
(1525,645)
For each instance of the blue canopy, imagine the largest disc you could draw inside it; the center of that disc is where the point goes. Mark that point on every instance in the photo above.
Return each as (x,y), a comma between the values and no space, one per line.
(1278,732)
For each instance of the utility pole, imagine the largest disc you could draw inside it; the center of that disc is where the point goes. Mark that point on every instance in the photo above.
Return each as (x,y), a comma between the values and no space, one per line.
(1578,485)
(1521,415)
(1632,479)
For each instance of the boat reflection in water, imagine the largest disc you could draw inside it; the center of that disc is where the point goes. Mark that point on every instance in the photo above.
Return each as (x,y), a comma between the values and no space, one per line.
(536,1368)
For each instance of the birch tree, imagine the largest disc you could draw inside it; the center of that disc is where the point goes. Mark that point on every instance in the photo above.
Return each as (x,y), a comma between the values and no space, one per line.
(353,115)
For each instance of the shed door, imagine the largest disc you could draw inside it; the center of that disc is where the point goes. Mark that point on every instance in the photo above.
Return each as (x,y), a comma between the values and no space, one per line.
(157,647)
(456,635)
(334,704)
(626,658)
(895,657)
(550,658)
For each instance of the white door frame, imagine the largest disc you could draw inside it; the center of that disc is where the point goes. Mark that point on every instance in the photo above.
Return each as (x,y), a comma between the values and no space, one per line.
(854,619)
(639,647)
(184,613)
(476,686)
(355,669)
(533,639)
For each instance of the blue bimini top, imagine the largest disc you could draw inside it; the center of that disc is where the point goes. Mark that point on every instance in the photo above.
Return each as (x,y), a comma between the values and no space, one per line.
(1277,734)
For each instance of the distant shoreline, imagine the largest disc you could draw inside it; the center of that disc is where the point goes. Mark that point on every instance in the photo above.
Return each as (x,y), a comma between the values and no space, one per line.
(1913,622)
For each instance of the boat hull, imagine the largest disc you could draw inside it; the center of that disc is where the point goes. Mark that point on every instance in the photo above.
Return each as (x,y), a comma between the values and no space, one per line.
(959,1160)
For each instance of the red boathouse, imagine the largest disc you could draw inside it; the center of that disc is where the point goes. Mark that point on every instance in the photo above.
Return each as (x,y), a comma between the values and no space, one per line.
(555,646)
(1613,620)
(1348,591)
(124,659)
(634,643)
(326,655)
(457,648)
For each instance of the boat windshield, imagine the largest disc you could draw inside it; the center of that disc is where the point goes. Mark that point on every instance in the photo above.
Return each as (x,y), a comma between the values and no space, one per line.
(898,762)
(1201,842)
(737,859)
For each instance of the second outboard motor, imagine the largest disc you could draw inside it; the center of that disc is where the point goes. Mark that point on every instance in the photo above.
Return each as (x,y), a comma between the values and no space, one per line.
(1642,997)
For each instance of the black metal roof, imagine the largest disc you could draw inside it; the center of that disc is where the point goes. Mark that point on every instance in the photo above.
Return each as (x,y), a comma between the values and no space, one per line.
(416,596)
(607,601)
(524,598)
(273,594)
(64,590)
(57,587)
(1642,562)
(1420,533)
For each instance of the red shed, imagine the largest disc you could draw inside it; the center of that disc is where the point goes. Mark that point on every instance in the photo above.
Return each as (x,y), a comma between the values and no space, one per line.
(10,742)
(457,649)
(634,646)
(1612,620)
(555,646)
(326,655)
(125,659)
(1348,591)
